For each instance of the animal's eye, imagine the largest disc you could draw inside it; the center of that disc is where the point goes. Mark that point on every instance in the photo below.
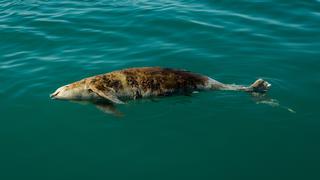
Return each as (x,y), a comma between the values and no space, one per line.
(90,90)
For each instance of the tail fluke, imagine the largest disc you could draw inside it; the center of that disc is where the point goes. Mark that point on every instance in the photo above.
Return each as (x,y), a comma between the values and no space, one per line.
(259,86)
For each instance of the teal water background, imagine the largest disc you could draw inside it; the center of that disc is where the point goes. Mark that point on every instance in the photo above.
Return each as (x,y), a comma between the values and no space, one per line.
(210,135)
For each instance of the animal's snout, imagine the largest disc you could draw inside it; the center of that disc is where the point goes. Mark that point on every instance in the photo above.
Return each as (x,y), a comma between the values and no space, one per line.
(53,95)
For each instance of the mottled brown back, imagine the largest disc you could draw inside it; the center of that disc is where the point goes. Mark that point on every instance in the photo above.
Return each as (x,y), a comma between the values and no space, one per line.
(149,81)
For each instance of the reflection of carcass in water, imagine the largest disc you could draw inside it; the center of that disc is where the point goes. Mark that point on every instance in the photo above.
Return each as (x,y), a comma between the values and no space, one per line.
(104,106)
(108,108)
(263,99)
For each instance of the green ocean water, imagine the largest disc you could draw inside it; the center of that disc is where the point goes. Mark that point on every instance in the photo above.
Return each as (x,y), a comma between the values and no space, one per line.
(209,135)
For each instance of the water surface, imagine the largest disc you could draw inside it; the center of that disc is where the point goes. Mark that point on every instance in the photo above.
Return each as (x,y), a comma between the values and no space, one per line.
(211,135)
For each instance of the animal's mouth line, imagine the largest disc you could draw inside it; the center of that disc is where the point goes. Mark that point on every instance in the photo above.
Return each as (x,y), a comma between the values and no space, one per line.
(54,95)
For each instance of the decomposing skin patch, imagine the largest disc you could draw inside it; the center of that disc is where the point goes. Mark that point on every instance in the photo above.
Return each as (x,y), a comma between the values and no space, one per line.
(157,81)
(137,83)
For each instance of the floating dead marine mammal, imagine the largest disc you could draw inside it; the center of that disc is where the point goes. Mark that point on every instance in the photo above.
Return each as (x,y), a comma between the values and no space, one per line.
(134,83)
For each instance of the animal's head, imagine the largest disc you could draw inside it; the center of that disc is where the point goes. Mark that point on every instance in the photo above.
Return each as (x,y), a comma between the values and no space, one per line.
(75,91)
